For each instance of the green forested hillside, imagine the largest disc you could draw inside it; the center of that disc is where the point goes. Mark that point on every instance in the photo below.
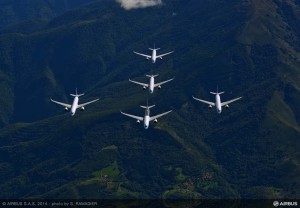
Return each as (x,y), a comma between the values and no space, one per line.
(247,48)
(29,12)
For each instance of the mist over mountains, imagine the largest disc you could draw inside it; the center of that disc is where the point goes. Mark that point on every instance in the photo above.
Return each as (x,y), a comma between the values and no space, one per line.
(246,48)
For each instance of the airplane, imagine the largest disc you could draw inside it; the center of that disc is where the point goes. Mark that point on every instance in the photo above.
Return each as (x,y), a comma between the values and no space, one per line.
(146,117)
(154,55)
(151,84)
(75,104)
(218,102)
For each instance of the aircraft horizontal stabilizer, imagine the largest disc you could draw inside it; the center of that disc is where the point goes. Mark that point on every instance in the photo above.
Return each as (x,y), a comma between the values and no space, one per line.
(152,75)
(151,106)
(77,95)
(214,93)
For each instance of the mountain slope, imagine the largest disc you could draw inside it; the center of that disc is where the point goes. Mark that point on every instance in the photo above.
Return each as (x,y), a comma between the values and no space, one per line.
(249,151)
(13,11)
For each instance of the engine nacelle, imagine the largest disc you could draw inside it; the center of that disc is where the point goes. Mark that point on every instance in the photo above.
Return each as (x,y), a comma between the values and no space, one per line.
(210,106)
(144,88)
(160,58)
(159,87)
(155,121)
(147,58)
(138,121)
(226,106)
(66,109)
(82,108)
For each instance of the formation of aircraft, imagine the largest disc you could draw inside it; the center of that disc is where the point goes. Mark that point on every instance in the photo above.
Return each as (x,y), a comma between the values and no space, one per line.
(218,104)
(75,104)
(154,55)
(147,118)
(151,84)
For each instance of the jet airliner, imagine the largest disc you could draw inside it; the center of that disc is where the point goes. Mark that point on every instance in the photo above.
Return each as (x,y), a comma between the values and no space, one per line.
(154,55)
(146,119)
(75,104)
(218,104)
(151,84)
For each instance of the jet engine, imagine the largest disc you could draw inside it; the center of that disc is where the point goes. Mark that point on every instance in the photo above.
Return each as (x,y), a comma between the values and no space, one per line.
(144,88)
(155,121)
(160,58)
(82,108)
(210,106)
(138,121)
(226,106)
(66,109)
(159,87)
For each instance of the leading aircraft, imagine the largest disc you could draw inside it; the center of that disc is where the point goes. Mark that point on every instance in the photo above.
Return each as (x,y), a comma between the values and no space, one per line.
(75,104)
(146,117)
(151,84)
(218,104)
(154,55)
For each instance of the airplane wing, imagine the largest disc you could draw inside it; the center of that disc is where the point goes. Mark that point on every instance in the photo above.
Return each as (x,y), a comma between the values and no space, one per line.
(84,104)
(142,54)
(139,83)
(132,116)
(160,115)
(159,56)
(63,104)
(230,101)
(161,83)
(204,101)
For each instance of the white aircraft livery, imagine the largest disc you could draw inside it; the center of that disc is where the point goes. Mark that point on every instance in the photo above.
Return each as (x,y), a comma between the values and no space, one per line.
(147,117)
(75,104)
(154,55)
(151,84)
(218,104)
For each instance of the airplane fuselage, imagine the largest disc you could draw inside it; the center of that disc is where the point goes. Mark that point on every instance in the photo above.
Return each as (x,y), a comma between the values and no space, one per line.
(153,56)
(218,103)
(151,85)
(147,118)
(146,122)
(74,105)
